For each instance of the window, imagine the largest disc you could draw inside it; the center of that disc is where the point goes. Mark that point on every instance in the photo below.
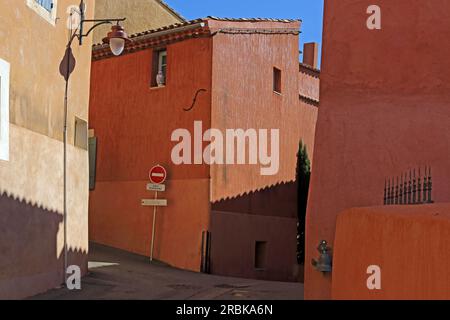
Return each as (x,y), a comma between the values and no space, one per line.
(81,134)
(45,8)
(276,80)
(46,4)
(260,255)
(4,110)
(159,68)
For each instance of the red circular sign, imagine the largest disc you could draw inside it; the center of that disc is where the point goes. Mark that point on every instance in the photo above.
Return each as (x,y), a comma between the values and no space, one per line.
(158,175)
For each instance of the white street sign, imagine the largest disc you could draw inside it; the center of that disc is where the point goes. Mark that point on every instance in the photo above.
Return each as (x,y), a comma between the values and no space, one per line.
(154,203)
(156,187)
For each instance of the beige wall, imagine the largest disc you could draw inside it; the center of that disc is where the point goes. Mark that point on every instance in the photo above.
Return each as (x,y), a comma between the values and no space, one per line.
(141,15)
(31,182)
(34,47)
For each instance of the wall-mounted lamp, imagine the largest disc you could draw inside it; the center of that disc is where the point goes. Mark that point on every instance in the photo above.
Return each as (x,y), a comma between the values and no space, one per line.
(116,39)
(324,264)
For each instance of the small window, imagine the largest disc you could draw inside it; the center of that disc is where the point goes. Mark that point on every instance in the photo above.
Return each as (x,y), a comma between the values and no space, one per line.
(276,80)
(45,8)
(81,134)
(4,110)
(46,4)
(159,68)
(260,255)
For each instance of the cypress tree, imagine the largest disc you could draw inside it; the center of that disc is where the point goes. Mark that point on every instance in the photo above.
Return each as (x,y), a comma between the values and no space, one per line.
(303,176)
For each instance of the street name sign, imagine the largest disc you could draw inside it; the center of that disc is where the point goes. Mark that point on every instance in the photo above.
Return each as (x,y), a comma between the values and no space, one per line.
(154,203)
(156,187)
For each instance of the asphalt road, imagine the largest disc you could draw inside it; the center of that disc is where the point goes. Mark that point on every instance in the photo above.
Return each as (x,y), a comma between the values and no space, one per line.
(117,275)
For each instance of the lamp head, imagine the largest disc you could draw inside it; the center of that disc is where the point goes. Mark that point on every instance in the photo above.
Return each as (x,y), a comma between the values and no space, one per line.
(117,39)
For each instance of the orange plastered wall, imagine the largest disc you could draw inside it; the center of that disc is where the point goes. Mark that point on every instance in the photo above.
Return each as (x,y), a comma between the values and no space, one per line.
(134,124)
(385,97)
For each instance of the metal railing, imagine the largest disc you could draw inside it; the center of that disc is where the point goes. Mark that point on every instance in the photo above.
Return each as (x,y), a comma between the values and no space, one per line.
(409,188)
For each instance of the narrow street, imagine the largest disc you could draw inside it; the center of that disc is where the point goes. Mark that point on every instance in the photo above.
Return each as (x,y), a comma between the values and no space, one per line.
(115,274)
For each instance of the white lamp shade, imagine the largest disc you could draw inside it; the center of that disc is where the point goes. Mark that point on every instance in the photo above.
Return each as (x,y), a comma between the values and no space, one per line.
(117,45)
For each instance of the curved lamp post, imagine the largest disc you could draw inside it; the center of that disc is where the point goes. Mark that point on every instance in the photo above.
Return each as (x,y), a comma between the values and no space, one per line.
(117,40)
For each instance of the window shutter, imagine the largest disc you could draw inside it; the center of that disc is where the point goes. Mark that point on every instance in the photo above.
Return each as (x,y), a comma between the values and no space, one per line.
(92,162)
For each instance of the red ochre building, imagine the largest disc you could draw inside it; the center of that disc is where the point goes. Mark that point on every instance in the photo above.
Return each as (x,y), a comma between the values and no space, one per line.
(384,109)
(240,74)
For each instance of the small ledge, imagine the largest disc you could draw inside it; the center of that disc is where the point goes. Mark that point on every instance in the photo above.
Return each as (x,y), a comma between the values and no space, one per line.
(157,88)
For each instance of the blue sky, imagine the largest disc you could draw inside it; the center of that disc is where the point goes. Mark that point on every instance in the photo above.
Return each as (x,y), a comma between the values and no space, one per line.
(310,11)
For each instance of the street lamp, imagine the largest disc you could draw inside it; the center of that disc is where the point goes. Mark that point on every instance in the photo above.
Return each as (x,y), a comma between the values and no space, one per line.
(117,40)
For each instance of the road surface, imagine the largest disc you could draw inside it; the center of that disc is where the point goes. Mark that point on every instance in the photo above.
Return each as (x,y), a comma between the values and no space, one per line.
(117,275)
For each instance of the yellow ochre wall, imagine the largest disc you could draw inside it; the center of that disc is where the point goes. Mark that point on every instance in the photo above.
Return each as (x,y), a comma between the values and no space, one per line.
(31,182)
(141,15)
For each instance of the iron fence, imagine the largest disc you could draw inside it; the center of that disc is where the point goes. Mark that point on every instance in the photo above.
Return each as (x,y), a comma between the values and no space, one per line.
(409,188)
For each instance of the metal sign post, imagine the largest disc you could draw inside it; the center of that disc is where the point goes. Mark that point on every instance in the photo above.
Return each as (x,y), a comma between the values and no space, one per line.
(157,175)
(153,228)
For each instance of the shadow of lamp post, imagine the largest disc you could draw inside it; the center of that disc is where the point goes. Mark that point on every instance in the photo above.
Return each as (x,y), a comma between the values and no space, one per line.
(116,39)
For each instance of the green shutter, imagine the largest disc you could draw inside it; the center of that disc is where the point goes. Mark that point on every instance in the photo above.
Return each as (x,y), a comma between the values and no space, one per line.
(92,161)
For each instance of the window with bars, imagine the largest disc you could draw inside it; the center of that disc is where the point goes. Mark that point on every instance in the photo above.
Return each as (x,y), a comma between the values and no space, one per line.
(46,4)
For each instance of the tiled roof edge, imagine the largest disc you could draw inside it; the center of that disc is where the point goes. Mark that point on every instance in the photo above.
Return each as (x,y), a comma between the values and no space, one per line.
(253,19)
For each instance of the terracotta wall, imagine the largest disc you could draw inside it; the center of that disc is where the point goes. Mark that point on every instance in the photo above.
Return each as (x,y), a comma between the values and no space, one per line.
(384,109)
(408,243)
(309,83)
(263,202)
(246,205)
(268,215)
(134,124)
(234,237)
(309,87)
(243,97)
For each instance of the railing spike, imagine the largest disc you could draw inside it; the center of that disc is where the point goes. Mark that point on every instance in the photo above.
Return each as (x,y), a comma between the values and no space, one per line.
(430,188)
(401,190)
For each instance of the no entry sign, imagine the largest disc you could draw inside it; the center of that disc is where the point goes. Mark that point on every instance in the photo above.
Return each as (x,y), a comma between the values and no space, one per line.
(158,174)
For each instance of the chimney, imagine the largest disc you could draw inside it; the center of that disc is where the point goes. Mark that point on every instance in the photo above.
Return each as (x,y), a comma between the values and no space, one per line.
(311,54)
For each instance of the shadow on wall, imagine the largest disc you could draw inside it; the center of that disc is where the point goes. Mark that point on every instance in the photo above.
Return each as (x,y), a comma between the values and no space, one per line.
(29,259)
(278,200)
(255,235)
